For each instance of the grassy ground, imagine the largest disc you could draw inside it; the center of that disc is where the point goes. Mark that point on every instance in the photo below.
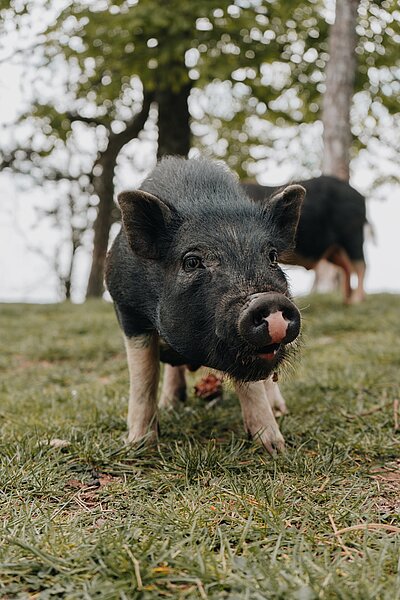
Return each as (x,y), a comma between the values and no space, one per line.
(206,514)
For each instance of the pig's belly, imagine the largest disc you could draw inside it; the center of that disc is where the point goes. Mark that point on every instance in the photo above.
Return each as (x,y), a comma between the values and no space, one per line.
(170,356)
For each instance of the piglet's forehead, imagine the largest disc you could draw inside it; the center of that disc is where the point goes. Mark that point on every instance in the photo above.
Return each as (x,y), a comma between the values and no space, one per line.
(250,233)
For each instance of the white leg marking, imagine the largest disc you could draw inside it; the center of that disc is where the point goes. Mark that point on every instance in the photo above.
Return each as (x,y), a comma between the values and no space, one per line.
(174,386)
(358,294)
(275,397)
(144,367)
(258,418)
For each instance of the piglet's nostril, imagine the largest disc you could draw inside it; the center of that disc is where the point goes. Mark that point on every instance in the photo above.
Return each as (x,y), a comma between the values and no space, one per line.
(289,313)
(258,319)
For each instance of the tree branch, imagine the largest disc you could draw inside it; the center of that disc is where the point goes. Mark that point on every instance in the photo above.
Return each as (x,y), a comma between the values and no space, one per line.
(48,173)
(118,140)
(131,130)
(8,160)
(89,120)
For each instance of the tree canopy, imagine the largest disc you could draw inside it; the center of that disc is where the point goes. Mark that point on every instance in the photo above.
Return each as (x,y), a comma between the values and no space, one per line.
(270,56)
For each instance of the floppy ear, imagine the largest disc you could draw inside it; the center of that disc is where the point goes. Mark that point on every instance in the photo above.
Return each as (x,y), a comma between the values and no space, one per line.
(284,212)
(145,219)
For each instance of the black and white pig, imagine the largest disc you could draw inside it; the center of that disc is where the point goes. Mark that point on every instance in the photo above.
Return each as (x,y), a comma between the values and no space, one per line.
(195,266)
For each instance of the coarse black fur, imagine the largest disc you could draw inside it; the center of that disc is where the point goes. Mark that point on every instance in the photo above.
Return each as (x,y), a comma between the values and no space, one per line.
(333,215)
(196,208)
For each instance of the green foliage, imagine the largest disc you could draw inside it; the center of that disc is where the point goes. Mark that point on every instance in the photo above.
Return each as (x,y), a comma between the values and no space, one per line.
(378,32)
(151,39)
(272,53)
(205,514)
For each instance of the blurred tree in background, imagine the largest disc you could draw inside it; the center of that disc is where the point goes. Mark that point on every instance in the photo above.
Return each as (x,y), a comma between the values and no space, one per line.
(242,81)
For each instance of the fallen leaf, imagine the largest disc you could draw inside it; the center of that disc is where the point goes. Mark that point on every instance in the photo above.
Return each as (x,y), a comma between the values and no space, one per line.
(209,387)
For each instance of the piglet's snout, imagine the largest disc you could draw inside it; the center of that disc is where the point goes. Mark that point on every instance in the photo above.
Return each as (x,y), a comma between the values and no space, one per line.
(269,318)
(277,327)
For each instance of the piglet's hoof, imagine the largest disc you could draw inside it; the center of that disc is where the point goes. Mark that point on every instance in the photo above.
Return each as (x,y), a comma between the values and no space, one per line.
(270,438)
(140,435)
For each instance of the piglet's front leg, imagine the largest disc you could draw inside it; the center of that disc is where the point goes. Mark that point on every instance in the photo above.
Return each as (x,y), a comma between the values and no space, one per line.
(275,397)
(258,417)
(144,368)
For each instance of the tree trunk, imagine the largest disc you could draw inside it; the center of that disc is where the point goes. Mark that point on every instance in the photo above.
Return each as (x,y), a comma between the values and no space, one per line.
(68,278)
(104,188)
(340,76)
(174,134)
(174,138)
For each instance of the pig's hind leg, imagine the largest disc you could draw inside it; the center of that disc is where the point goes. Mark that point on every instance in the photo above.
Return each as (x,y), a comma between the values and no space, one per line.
(275,397)
(143,361)
(258,417)
(174,386)
(358,294)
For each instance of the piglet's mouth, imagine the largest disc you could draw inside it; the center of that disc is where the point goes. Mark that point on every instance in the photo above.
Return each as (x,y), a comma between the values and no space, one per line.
(268,352)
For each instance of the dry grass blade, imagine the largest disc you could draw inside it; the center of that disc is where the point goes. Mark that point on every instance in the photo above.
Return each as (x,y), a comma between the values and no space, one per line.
(136,568)
(396,414)
(201,589)
(369,527)
(346,550)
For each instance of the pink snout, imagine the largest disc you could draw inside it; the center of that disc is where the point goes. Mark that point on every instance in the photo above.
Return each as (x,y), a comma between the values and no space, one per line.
(277,327)
(267,320)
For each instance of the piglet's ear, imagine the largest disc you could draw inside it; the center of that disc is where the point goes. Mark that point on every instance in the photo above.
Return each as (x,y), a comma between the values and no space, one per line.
(284,212)
(145,219)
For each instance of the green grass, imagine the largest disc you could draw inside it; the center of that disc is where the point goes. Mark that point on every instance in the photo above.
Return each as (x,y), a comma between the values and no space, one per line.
(206,514)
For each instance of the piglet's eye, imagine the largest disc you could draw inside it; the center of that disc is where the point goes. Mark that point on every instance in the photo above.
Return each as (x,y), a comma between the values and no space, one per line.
(273,258)
(192,262)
